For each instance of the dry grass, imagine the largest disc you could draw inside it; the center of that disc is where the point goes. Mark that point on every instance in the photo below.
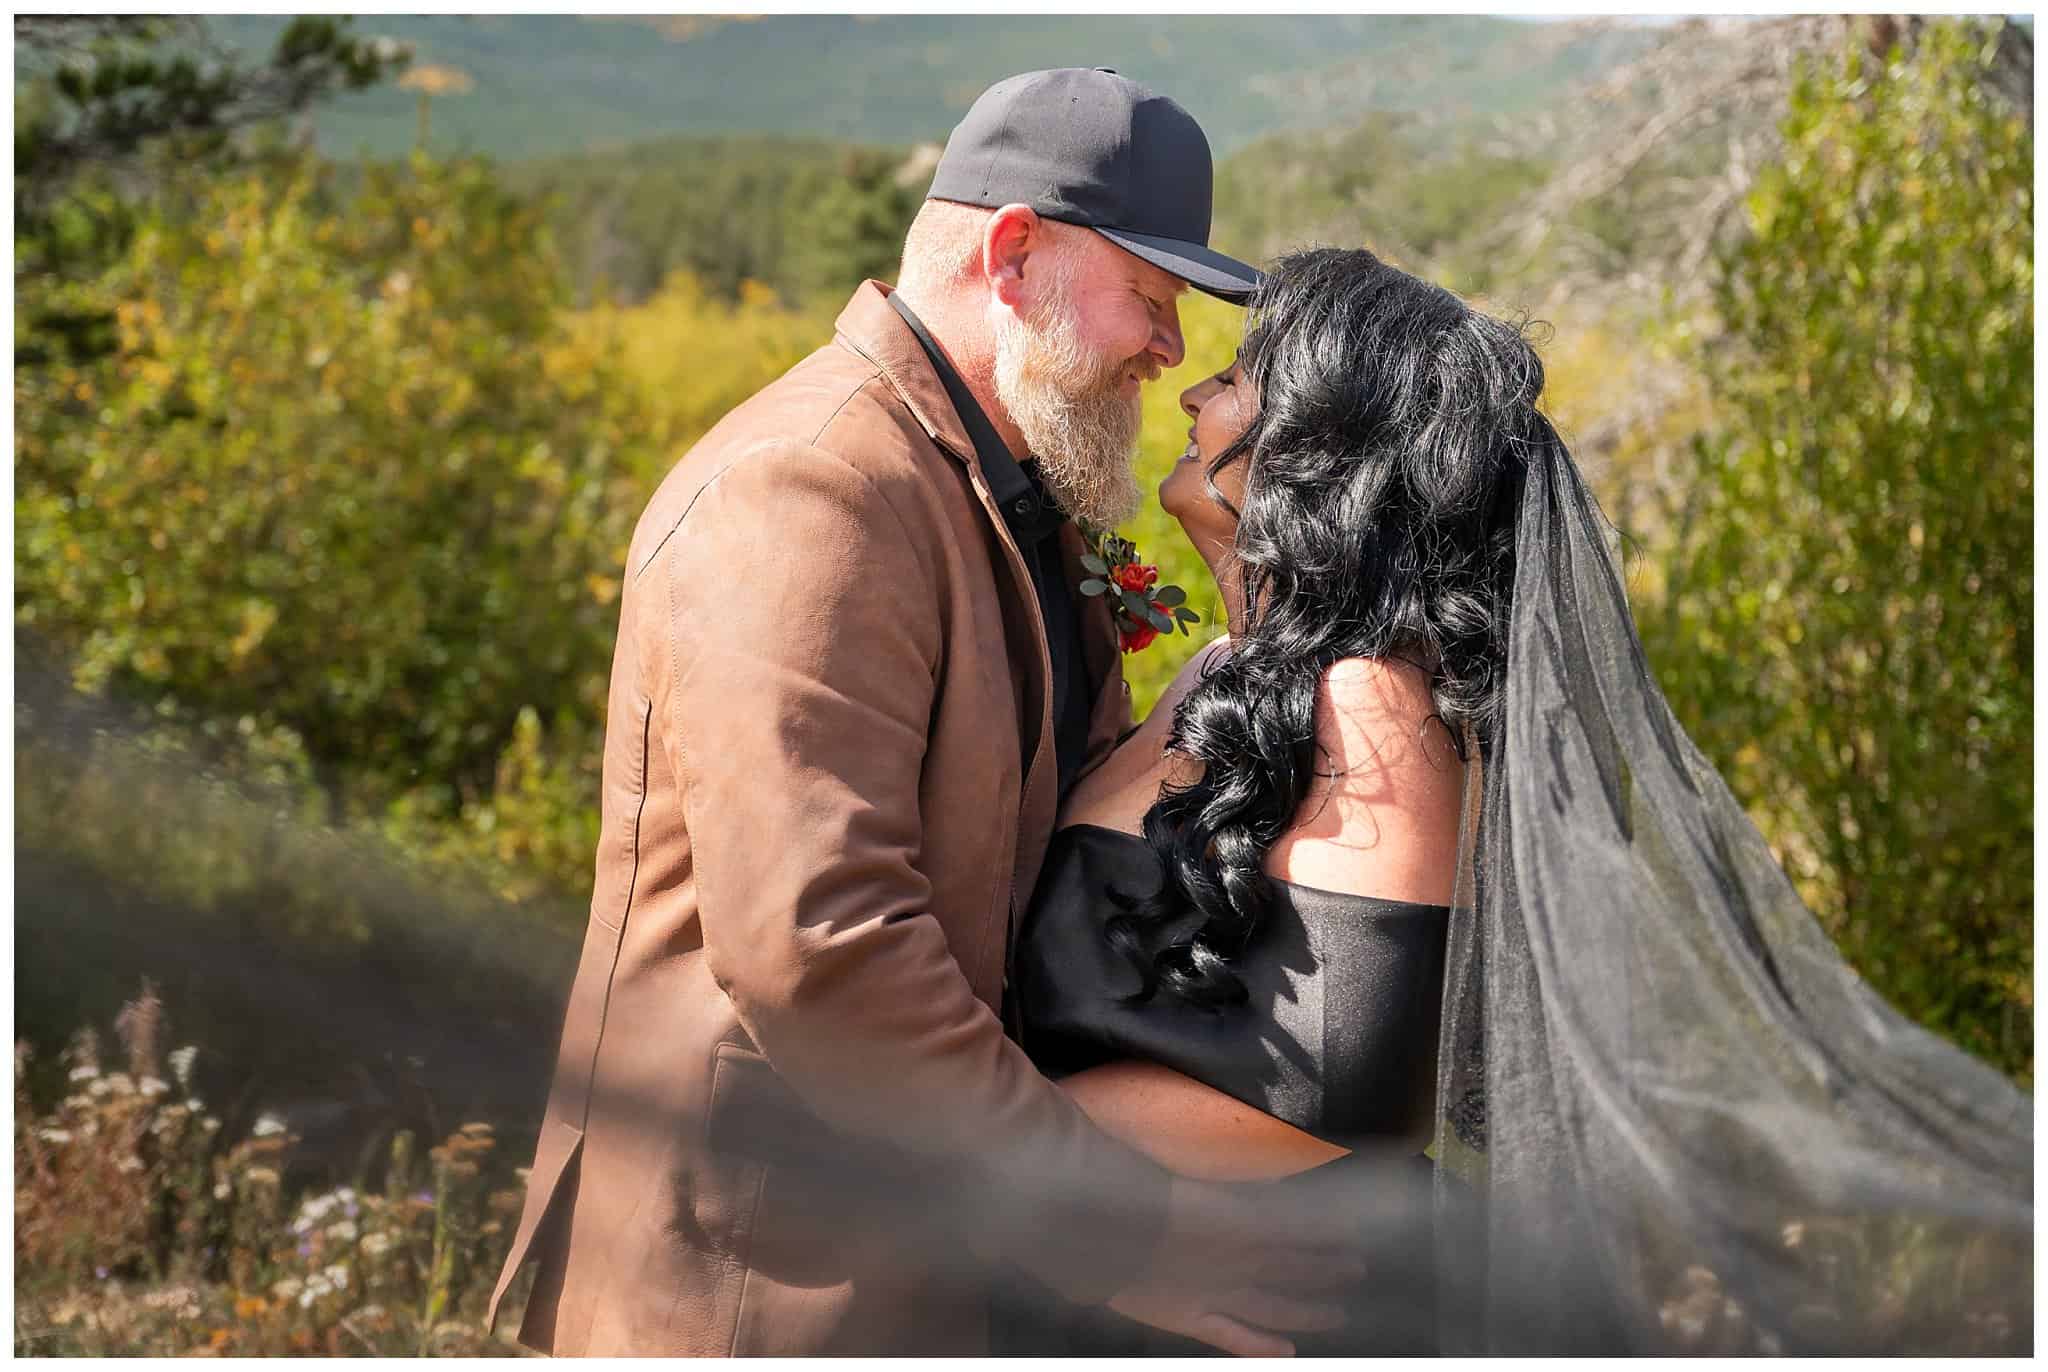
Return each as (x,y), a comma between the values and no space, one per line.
(139,1231)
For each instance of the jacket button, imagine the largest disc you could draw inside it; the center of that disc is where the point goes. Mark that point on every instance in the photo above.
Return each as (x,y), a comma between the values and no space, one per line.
(1024,506)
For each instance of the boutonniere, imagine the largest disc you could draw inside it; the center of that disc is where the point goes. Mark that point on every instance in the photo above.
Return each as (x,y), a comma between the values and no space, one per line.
(1143,609)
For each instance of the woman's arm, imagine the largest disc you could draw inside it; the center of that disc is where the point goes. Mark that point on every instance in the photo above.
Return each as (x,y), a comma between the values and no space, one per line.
(1192,1129)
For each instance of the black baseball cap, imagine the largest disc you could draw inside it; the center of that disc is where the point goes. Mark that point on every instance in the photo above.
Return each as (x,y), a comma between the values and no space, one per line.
(1086,146)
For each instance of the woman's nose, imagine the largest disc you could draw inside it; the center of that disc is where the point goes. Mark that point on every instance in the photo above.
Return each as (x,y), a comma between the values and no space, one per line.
(1194,397)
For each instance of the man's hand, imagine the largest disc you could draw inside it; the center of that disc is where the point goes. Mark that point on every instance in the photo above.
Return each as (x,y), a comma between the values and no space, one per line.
(1232,1267)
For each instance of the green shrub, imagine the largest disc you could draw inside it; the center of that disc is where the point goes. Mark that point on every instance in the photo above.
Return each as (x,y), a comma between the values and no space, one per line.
(1848,624)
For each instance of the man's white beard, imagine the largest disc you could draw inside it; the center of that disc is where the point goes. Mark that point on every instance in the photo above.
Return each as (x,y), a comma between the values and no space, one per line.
(1068,403)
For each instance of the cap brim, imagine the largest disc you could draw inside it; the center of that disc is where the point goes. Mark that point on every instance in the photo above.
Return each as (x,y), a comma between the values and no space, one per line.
(1205,269)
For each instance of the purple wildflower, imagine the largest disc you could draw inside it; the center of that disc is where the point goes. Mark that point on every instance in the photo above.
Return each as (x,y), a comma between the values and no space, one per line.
(100,1272)
(424,1197)
(351,1210)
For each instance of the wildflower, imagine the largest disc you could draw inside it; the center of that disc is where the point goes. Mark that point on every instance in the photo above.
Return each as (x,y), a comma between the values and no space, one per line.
(54,1135)
(423,1197)
(100,1272)
(267,1125)
(121,1082)
(221,1190)
(344,1230)
(345,1194)
(84,1073)
(195,1105)
(100,1086)
(376,1245)
(153,1086)
(336,1273)
(249,1307)
(261,1176)
(181,1060)
(210,1124)
(129,1163)
(287,1288)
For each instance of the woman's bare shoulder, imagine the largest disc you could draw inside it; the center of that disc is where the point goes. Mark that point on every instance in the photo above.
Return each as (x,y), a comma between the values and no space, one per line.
(1380,817)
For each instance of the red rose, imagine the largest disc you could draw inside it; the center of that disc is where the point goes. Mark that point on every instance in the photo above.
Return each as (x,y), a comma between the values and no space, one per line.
(1133,637)
(1134,578)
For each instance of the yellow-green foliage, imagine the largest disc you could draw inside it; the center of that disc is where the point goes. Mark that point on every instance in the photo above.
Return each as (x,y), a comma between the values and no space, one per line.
(1211,329)
(690,356)
(321,479)
(1849,628)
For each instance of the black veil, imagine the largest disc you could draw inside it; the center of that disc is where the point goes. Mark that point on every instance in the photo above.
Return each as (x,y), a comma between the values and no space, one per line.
(1670,1117)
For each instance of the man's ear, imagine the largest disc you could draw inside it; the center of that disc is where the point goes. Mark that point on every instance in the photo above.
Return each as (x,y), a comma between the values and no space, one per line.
(1011,235)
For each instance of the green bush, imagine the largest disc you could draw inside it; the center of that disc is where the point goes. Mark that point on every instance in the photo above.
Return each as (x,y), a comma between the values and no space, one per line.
(334,476)
(1848,624)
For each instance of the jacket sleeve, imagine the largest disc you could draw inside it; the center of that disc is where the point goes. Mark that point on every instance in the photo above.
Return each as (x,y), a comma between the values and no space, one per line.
(803,640)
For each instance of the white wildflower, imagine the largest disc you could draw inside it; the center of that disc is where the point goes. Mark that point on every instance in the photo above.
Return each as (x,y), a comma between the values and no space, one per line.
(287,1288)
(377,1245)
(345,1194)
(261,1176)
(344,1230)
(195,1105)
(85,1073)
(211,1124)
(337,1273)
(267,1125)
(100,1087)
(221,1190)
(129,1163)
(54,1135)
(181,1065)
(123,1083)
(153,1086)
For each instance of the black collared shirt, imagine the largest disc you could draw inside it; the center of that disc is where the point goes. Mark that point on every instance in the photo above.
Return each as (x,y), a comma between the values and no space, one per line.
(1034,521)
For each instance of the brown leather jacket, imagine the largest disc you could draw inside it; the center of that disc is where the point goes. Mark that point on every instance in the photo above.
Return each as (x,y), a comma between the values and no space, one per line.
(786,1117)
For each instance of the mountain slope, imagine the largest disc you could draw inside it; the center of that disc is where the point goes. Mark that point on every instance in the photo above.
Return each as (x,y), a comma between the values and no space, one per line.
(563,84)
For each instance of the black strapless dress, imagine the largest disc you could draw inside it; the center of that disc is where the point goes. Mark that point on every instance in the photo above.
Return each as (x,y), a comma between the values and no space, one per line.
(1338,1038)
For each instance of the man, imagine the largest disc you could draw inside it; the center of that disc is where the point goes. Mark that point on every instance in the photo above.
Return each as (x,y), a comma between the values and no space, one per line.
(850,686)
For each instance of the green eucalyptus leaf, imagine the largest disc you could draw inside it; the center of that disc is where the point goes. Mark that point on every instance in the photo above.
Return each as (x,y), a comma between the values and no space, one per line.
(1095,564)
(1159,621)
(1170,596)
(1092,586)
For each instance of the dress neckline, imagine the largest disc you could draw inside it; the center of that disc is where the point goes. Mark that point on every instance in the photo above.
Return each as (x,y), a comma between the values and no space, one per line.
(1423,906)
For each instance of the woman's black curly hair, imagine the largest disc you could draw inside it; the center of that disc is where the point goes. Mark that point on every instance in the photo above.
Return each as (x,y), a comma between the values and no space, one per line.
(1385,472)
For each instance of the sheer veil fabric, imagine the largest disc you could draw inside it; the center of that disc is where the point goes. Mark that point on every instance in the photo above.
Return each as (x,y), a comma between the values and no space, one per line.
(1670,1118)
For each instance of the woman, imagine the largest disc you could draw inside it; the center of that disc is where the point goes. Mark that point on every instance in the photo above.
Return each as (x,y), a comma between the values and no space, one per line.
(1692,1126)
